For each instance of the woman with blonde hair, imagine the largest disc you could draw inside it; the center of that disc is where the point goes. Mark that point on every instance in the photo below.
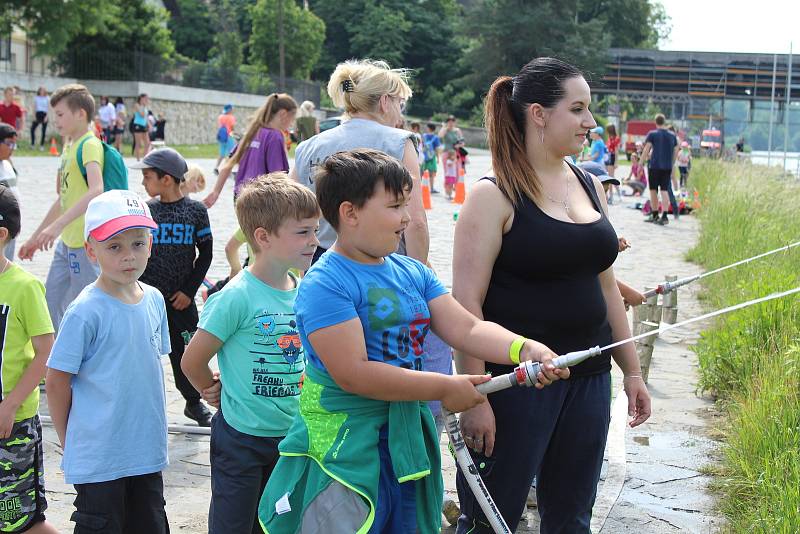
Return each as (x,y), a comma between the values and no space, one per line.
(374,98)
(307,124)
(262,149)
(533,252)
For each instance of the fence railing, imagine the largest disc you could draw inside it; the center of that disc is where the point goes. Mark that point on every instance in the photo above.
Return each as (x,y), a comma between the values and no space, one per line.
(90,64)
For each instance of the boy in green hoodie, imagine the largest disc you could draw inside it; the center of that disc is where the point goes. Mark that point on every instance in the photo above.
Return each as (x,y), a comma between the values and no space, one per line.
(363,454)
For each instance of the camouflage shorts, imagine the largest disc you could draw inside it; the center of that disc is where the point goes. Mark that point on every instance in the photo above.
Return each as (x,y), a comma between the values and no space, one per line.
(22,500)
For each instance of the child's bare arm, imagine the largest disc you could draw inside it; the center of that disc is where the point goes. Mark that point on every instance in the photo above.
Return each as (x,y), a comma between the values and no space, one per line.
(232,254)
(194,364)
(27,383)
(59,401)
(486,340)
(342,349)
(94,178)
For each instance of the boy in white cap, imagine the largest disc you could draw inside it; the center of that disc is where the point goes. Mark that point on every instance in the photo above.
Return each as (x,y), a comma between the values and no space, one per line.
(105,384)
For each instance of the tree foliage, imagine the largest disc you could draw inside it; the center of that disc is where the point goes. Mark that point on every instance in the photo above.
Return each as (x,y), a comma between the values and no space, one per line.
(304,33)
(192,28)
(52,25)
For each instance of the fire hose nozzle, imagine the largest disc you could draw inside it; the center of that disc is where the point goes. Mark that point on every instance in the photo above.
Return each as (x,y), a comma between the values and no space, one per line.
(574,358)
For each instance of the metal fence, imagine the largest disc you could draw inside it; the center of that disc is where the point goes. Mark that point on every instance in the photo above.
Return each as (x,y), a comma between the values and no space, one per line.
(138,66)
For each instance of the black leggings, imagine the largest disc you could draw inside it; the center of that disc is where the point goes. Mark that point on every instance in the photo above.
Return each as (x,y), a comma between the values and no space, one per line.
(41,118)
(182,326)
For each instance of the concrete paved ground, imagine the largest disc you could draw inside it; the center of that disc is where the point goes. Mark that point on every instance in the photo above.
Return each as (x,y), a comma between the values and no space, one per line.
(664,491)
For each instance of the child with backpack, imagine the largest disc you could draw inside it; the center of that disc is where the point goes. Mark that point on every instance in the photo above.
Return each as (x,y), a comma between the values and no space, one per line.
(88,167)
(432,147)
(226,122)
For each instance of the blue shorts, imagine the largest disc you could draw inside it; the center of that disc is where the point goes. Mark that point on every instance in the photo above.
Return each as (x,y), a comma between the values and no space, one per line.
(226,147)
(396,509)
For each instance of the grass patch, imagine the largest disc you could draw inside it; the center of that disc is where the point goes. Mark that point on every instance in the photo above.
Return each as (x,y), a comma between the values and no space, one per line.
(750,360)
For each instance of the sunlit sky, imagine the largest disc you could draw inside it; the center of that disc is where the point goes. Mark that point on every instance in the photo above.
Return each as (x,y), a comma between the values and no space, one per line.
(765,26)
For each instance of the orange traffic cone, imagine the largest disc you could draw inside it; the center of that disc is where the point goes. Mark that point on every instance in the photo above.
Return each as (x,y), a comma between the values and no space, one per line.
(53,147)
(426,190)
(461,192)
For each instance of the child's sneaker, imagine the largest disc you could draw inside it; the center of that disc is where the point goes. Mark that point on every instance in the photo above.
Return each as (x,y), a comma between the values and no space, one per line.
(198,412)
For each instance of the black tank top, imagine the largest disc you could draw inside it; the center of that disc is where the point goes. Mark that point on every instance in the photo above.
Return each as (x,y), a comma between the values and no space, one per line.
(545,283)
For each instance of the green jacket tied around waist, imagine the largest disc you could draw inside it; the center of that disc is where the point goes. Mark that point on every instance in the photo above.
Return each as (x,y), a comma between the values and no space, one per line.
(326,480)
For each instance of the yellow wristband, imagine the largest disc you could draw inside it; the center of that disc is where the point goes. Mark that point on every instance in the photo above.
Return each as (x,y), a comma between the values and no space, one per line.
(514,350)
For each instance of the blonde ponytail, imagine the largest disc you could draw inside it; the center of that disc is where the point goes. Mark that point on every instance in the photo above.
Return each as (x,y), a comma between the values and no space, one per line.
(357,85)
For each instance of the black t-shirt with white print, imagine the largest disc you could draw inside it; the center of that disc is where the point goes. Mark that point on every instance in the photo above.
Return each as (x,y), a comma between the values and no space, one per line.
(174,264)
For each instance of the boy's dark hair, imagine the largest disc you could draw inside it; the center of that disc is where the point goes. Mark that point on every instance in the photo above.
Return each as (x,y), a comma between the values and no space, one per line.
(352,176)
(431,126)
(76,96)
(660,119)
(9,212)
(415,125)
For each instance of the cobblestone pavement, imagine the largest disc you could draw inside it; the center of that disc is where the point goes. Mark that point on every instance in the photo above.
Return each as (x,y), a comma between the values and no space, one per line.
(664,490)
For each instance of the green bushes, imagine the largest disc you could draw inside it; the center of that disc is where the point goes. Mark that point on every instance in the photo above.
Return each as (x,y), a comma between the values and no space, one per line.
(750,360)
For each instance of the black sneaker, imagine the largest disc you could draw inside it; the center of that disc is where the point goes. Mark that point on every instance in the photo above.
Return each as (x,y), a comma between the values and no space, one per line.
(653,217)
(663,221)
(198,412)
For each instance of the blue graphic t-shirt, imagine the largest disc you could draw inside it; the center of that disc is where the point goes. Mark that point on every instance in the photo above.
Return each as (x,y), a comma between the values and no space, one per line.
(390,299)
(261,361)
(598,152)
(430,142)
(117,423)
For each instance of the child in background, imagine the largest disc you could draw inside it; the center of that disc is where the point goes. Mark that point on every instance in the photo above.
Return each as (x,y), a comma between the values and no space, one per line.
(70,270)
(450,173)
(194,181)
(636,179)
(251,326)
(26,337)
(363,314)
(105,385)
(182,253)
(684,161)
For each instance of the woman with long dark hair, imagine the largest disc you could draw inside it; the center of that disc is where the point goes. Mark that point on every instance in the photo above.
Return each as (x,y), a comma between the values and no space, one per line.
(533,252)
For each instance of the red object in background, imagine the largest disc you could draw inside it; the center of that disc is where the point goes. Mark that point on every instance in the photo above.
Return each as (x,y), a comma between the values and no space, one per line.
(636,131)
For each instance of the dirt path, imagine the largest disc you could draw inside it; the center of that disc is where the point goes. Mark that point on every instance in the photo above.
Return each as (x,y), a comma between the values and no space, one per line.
(663,490)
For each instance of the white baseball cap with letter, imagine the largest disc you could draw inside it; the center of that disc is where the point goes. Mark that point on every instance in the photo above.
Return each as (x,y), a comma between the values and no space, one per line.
(116,211)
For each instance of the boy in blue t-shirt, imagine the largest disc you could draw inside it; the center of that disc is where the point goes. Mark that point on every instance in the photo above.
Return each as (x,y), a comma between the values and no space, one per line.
(363,313)
(432,147)
(252,328)
(105,384)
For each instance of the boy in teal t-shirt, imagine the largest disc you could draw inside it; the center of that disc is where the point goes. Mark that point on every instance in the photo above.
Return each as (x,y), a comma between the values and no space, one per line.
(26,337)
(251,326)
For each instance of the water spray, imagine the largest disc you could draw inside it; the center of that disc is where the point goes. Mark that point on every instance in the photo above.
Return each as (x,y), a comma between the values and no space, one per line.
(667,286)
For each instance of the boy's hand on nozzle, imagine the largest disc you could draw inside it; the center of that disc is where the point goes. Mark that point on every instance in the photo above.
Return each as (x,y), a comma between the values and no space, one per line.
(537,352)
(460,393)
(212,393)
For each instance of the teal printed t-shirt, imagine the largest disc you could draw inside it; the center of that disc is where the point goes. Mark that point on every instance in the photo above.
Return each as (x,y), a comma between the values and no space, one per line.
(390,299)
(261,361)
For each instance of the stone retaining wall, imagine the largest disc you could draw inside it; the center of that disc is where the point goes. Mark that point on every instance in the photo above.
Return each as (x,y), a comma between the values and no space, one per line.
(191,113)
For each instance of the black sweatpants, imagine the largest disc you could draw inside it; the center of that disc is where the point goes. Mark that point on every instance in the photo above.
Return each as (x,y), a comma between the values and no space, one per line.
(182,326)
(557,434)
(130,505)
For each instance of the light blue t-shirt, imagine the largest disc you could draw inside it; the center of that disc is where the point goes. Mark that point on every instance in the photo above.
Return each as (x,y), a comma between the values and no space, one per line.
(598,152)
(350,135)
(390,299)
(261,361)
(117,423)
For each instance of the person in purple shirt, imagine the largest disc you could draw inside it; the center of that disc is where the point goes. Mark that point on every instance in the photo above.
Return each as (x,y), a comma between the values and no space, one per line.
(262,149)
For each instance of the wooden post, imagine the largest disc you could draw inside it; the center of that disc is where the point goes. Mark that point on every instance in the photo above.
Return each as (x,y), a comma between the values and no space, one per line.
(670,314)
(644,347)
